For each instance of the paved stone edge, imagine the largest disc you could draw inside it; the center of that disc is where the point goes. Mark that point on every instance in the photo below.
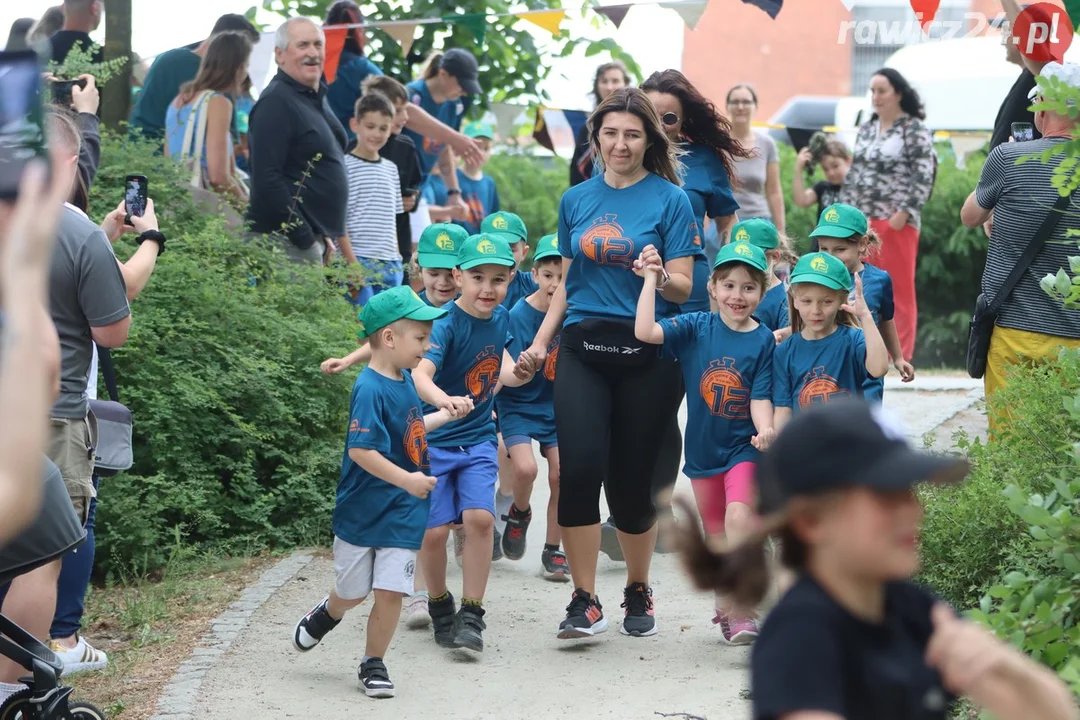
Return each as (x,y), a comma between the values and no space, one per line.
(932,421)
(177,702)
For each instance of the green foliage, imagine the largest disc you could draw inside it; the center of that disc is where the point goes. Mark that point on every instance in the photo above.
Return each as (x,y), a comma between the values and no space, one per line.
(238,437)
(969,535)
(1059,98)
(531,186)
(511,65)
(80,61)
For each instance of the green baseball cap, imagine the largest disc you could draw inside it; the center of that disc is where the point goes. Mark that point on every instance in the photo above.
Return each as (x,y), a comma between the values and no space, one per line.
(439,245)
(507,224)
(392,305)
(547,246)
(840,221)
(742,252)
(485,249)
(479,129)
(758,232)
(822,269)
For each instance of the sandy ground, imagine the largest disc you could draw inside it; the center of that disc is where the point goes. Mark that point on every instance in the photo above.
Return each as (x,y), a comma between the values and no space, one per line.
(525,671)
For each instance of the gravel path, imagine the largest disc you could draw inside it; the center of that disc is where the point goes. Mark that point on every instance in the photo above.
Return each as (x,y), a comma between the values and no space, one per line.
(525,671)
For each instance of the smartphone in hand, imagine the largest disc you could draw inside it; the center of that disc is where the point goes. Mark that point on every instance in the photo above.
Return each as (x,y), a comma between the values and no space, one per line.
(22,118)
(136,191)
(61,91)
(1023,131)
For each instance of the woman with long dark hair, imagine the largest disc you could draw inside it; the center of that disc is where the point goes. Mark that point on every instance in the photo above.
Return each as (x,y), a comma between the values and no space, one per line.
(609,77)
(614,395)
(353,67)
(891,177)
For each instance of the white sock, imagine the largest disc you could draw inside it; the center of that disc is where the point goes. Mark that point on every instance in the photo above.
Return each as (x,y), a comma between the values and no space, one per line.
(420,593)
(9,689)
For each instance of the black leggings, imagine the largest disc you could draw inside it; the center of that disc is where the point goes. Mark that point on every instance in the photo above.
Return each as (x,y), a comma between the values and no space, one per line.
(671,445)
(611,420)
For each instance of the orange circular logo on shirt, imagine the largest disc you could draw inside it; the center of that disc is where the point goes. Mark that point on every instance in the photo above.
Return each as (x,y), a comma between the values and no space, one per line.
(415,440)
(480,379)
(819,388)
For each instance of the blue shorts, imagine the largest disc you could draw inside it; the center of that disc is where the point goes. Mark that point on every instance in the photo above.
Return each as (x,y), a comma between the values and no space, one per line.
(518,428)
(466,481)
(381,275)
(511,440)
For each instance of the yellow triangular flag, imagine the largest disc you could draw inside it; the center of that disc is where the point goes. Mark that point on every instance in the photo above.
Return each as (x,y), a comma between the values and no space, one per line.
(404,33)
(547,19)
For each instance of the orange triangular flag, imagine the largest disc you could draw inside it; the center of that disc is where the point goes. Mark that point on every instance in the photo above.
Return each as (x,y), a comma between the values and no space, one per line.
(404,33)
(547,19)
(335,43)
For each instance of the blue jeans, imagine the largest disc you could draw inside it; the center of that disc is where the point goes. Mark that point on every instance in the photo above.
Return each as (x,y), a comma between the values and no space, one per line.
(74,580)
(380,275)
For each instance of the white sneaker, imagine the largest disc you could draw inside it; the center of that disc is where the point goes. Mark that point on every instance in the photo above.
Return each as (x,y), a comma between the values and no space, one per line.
(459,544)
(416,611)
(81,658)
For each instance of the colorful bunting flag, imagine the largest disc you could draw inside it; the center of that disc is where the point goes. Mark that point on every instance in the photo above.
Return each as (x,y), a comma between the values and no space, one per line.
(689,10)
(547,19)
(772,7)
(335,43)
(475,22)
(505,115)
(925,10)
(617,13)
(403,33)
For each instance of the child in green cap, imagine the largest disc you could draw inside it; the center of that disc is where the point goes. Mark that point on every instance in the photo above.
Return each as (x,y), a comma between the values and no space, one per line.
(527,413)
(383,495)
(511,228)
(477,189)
(827,356)
(726,359)
(843,232)
(773,310)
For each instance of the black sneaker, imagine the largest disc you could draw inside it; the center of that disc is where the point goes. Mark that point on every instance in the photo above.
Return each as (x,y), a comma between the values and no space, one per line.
(609,541)
(555,566)
(375,680)
(639,620)
(313,627)
(584,617)
(470,628)
(442,620)
(517,525)
(496,549)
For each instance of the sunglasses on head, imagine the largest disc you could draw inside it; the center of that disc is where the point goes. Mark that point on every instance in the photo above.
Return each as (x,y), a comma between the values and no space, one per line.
(669,119)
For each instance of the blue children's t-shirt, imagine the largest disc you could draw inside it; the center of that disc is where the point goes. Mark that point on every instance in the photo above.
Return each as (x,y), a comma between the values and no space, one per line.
(878,293)
(819,371)
(773,310)
(603,230)
(449,112)
(433,191)
(520,286)
(467,353)
(706,183)
(530,408)
(481,197)
(343,93)
(385,416)
(723,370)
(699,293)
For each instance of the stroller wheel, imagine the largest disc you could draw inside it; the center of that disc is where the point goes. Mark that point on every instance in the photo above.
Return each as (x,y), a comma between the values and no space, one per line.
(17,706)
(84,711)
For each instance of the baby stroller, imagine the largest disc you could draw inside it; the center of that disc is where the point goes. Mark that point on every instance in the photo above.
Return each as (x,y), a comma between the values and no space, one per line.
(56,532)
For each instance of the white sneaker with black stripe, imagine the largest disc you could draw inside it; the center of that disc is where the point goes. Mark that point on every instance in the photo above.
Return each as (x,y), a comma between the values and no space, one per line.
(81,658)
(375,679)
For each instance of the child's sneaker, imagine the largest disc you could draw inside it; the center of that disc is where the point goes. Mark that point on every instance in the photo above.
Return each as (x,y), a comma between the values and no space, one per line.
(639,620)
(442,620)
(735,631)
(416,611)
(374,679)
(584,617)
(513,539)
(555,566)
(459,544)
(609,541)
(313,627)
(470,628)
(496,547)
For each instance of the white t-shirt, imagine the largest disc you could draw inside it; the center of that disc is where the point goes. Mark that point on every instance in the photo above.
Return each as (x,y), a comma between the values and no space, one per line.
(374,204)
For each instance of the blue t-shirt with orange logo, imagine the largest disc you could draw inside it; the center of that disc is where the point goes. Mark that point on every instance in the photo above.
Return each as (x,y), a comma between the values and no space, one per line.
(450,112)
(806,372)
(878,293)
(699,293)
(529,409)
(520,286)
(773,310)
(467,353)
(385,415)
(723,370)
(603,230)
(706,183)
(481,197)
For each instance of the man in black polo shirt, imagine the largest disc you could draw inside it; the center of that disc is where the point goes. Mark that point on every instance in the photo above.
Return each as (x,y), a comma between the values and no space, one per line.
(297,148)
(1015,106)
(81,17)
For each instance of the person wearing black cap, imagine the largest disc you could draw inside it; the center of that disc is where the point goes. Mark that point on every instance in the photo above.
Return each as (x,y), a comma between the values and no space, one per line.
(854,638)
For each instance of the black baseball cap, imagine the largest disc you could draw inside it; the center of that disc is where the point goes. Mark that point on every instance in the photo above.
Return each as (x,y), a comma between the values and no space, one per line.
(846,443)
(462,65)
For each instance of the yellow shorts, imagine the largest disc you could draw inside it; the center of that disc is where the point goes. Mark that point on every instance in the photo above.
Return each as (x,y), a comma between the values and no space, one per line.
(1013,347)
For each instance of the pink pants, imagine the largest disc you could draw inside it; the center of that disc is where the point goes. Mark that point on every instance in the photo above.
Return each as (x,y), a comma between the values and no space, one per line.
(898,256)
(713,494)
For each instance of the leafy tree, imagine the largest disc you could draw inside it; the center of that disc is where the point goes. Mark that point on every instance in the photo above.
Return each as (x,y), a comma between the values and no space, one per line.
(511,65)
(116,97)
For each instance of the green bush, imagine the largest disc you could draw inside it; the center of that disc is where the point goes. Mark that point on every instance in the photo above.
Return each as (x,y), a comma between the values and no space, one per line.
(969,535)
(531,186)
(238,437)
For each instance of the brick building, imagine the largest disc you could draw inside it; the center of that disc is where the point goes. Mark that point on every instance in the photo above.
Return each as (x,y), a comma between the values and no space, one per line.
(798,53)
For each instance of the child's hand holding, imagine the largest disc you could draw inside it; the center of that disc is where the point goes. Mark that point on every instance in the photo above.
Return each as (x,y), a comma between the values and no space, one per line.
(525,367)
(906,369)
(763,439)
(458,407)
(649,261)
(419,485)
(333,366)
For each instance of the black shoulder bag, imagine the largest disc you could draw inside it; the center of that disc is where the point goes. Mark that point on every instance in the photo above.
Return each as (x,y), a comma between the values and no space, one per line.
(113,453)
(986,311)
